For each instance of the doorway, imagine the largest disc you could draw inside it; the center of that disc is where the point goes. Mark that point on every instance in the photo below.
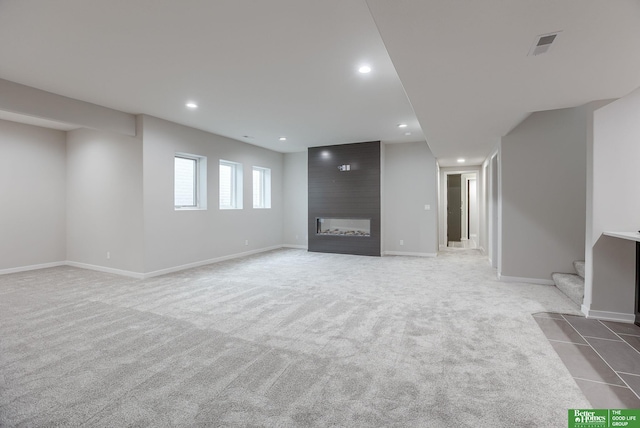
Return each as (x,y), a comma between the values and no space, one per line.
(454,209)
(462,210)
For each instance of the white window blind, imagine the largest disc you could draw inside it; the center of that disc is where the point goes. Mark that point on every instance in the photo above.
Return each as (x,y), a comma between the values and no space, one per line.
(261,187)
(230,185)
(186,182)
(190,182)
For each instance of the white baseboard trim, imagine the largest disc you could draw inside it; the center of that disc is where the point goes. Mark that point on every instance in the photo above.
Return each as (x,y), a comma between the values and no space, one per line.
(301,247)
(139,275)
(539,281)
(208,262)
(105,269)
(608,316)
(405,253)
(31,267)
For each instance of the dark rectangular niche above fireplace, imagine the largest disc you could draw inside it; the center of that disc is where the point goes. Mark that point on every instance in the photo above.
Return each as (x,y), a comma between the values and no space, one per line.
(358,227)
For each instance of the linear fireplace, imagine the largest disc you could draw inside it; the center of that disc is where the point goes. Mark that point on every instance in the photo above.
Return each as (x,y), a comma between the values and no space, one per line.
(343,226)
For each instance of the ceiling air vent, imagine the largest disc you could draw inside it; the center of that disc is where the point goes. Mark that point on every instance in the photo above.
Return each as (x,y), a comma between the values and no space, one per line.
(543,43)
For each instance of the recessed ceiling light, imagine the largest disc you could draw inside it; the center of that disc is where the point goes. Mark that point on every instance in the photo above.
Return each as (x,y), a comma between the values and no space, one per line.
(407,133)
(283,138)
(461,160)
(364,69)
(191,105)
(402,125)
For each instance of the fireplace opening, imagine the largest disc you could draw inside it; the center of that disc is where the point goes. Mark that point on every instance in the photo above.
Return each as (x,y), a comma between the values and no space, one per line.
(343,226)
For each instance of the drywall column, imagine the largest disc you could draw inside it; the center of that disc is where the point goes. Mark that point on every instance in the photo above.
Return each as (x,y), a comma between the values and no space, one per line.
(104,202)
(494,212)
(588,251)
(295,200)
(483,208)
(410,225)
(614,206)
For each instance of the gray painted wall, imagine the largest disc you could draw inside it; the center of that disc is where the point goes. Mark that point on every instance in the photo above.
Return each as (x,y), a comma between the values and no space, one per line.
(104,200)
(543,193)
(614,206)
(409,183)
(588,267)
(32,185)
(90,192)
(176,238)
(295,199)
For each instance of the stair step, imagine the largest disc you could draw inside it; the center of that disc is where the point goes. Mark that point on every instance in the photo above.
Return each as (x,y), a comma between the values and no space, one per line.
(579,267)
(570,284)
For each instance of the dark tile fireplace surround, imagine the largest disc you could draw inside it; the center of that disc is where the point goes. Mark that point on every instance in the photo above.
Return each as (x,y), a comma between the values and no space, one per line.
(344,199)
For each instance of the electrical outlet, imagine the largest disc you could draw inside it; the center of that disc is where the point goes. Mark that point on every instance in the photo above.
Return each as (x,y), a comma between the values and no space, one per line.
(427,207)
(402,242)
(246,242)
(108,255)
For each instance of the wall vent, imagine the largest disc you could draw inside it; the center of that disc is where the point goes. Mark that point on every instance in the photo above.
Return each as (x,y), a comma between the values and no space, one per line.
(543,43)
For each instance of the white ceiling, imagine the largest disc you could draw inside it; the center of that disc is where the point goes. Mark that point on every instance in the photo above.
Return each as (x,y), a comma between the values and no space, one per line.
(289,67)
(465,67)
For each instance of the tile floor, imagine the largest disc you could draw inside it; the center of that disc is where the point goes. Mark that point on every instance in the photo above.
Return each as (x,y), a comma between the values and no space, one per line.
(603,357)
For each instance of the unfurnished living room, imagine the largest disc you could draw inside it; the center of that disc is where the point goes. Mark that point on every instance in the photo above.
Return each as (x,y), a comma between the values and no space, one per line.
(354,213)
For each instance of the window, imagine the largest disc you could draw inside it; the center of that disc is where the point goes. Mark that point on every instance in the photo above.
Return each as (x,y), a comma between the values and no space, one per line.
(190,181)
(261,187)
(230,185)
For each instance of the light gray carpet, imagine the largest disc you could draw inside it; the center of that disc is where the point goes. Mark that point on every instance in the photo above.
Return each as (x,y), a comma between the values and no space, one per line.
(579,267)
(283,339)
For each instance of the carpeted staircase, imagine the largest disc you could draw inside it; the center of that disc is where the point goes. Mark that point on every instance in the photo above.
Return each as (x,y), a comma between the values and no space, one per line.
(572,284)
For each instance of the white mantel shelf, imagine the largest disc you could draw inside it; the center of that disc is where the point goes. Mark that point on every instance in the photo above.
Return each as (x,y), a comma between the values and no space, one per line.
(629,236)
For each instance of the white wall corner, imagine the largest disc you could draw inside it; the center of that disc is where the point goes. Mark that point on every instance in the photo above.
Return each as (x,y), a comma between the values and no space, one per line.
(300,247)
